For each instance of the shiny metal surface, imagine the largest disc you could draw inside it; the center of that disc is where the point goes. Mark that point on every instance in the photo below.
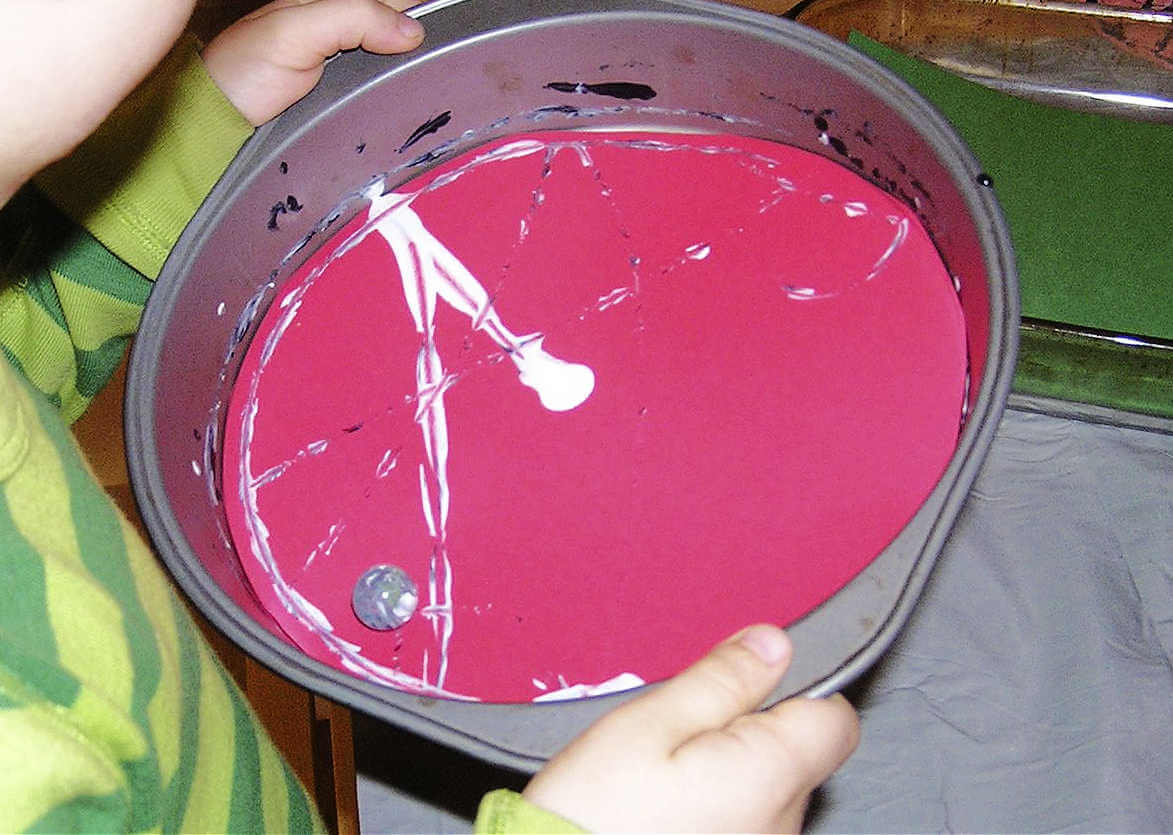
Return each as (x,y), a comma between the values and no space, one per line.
(1095,57)
(488,64)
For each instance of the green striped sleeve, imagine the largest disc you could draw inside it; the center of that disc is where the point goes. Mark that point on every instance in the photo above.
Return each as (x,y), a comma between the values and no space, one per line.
(115,714)
(23,623)
(244,812)
(505,811)
(67,306)
(103,553)
(77,250)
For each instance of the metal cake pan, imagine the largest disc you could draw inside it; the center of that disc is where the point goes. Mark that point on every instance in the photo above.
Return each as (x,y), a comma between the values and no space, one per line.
(487,64)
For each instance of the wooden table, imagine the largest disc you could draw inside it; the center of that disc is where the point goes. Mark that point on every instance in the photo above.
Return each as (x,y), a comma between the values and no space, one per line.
(312,732)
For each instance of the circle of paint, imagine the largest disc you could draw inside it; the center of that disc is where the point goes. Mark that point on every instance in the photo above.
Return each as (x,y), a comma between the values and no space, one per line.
(615,396)
(384,597)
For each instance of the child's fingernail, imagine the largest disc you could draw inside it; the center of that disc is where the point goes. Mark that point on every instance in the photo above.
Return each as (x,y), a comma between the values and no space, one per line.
(409,27)
(768,643)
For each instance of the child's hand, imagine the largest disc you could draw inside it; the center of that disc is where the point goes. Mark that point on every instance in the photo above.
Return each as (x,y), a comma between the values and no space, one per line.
(693,755)
(269,59)
(65,65)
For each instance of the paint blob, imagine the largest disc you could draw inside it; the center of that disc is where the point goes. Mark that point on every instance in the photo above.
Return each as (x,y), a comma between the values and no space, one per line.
(605,398)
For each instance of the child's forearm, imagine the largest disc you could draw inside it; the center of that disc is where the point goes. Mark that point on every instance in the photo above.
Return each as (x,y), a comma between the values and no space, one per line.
(71,295)
(67,306)
(137,181)
(115,714)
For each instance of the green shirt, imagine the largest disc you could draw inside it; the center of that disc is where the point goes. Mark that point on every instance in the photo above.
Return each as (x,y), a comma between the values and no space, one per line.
(115,715)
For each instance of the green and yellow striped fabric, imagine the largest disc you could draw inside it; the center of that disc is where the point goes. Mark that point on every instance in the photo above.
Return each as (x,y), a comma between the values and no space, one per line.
(67,306)
(114,713)
(78,250)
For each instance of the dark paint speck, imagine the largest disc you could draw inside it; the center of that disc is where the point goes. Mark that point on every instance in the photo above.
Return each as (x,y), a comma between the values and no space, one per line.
(430,156)
(626,90)
(568,109)
(431,126)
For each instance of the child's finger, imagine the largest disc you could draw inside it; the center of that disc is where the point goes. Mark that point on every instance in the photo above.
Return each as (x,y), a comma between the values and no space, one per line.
(733,679)
(398,5)
(266,62)
(311,31)
(816,735)
(401,5)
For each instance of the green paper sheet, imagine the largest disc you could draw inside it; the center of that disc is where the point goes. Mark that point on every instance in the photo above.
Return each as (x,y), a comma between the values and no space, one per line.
(1088,199)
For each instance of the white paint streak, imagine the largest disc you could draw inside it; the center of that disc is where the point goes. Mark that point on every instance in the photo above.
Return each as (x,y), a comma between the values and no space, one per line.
(426,498)
(561,385)
(316,615)
(616,296)
(621,682)
(304,613)
(430,272)
(901,224)
(898,237)
(387,463)
(279,469)
(324,547)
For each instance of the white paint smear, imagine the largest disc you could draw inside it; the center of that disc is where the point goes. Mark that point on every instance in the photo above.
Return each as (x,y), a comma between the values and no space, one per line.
(431,273)
(621,682)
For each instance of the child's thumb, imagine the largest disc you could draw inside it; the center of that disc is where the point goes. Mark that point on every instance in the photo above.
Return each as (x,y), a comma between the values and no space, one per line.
(733,679)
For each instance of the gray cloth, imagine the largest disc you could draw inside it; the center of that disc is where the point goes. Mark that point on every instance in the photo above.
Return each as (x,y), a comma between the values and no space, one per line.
(1032,688)
(1031,691)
